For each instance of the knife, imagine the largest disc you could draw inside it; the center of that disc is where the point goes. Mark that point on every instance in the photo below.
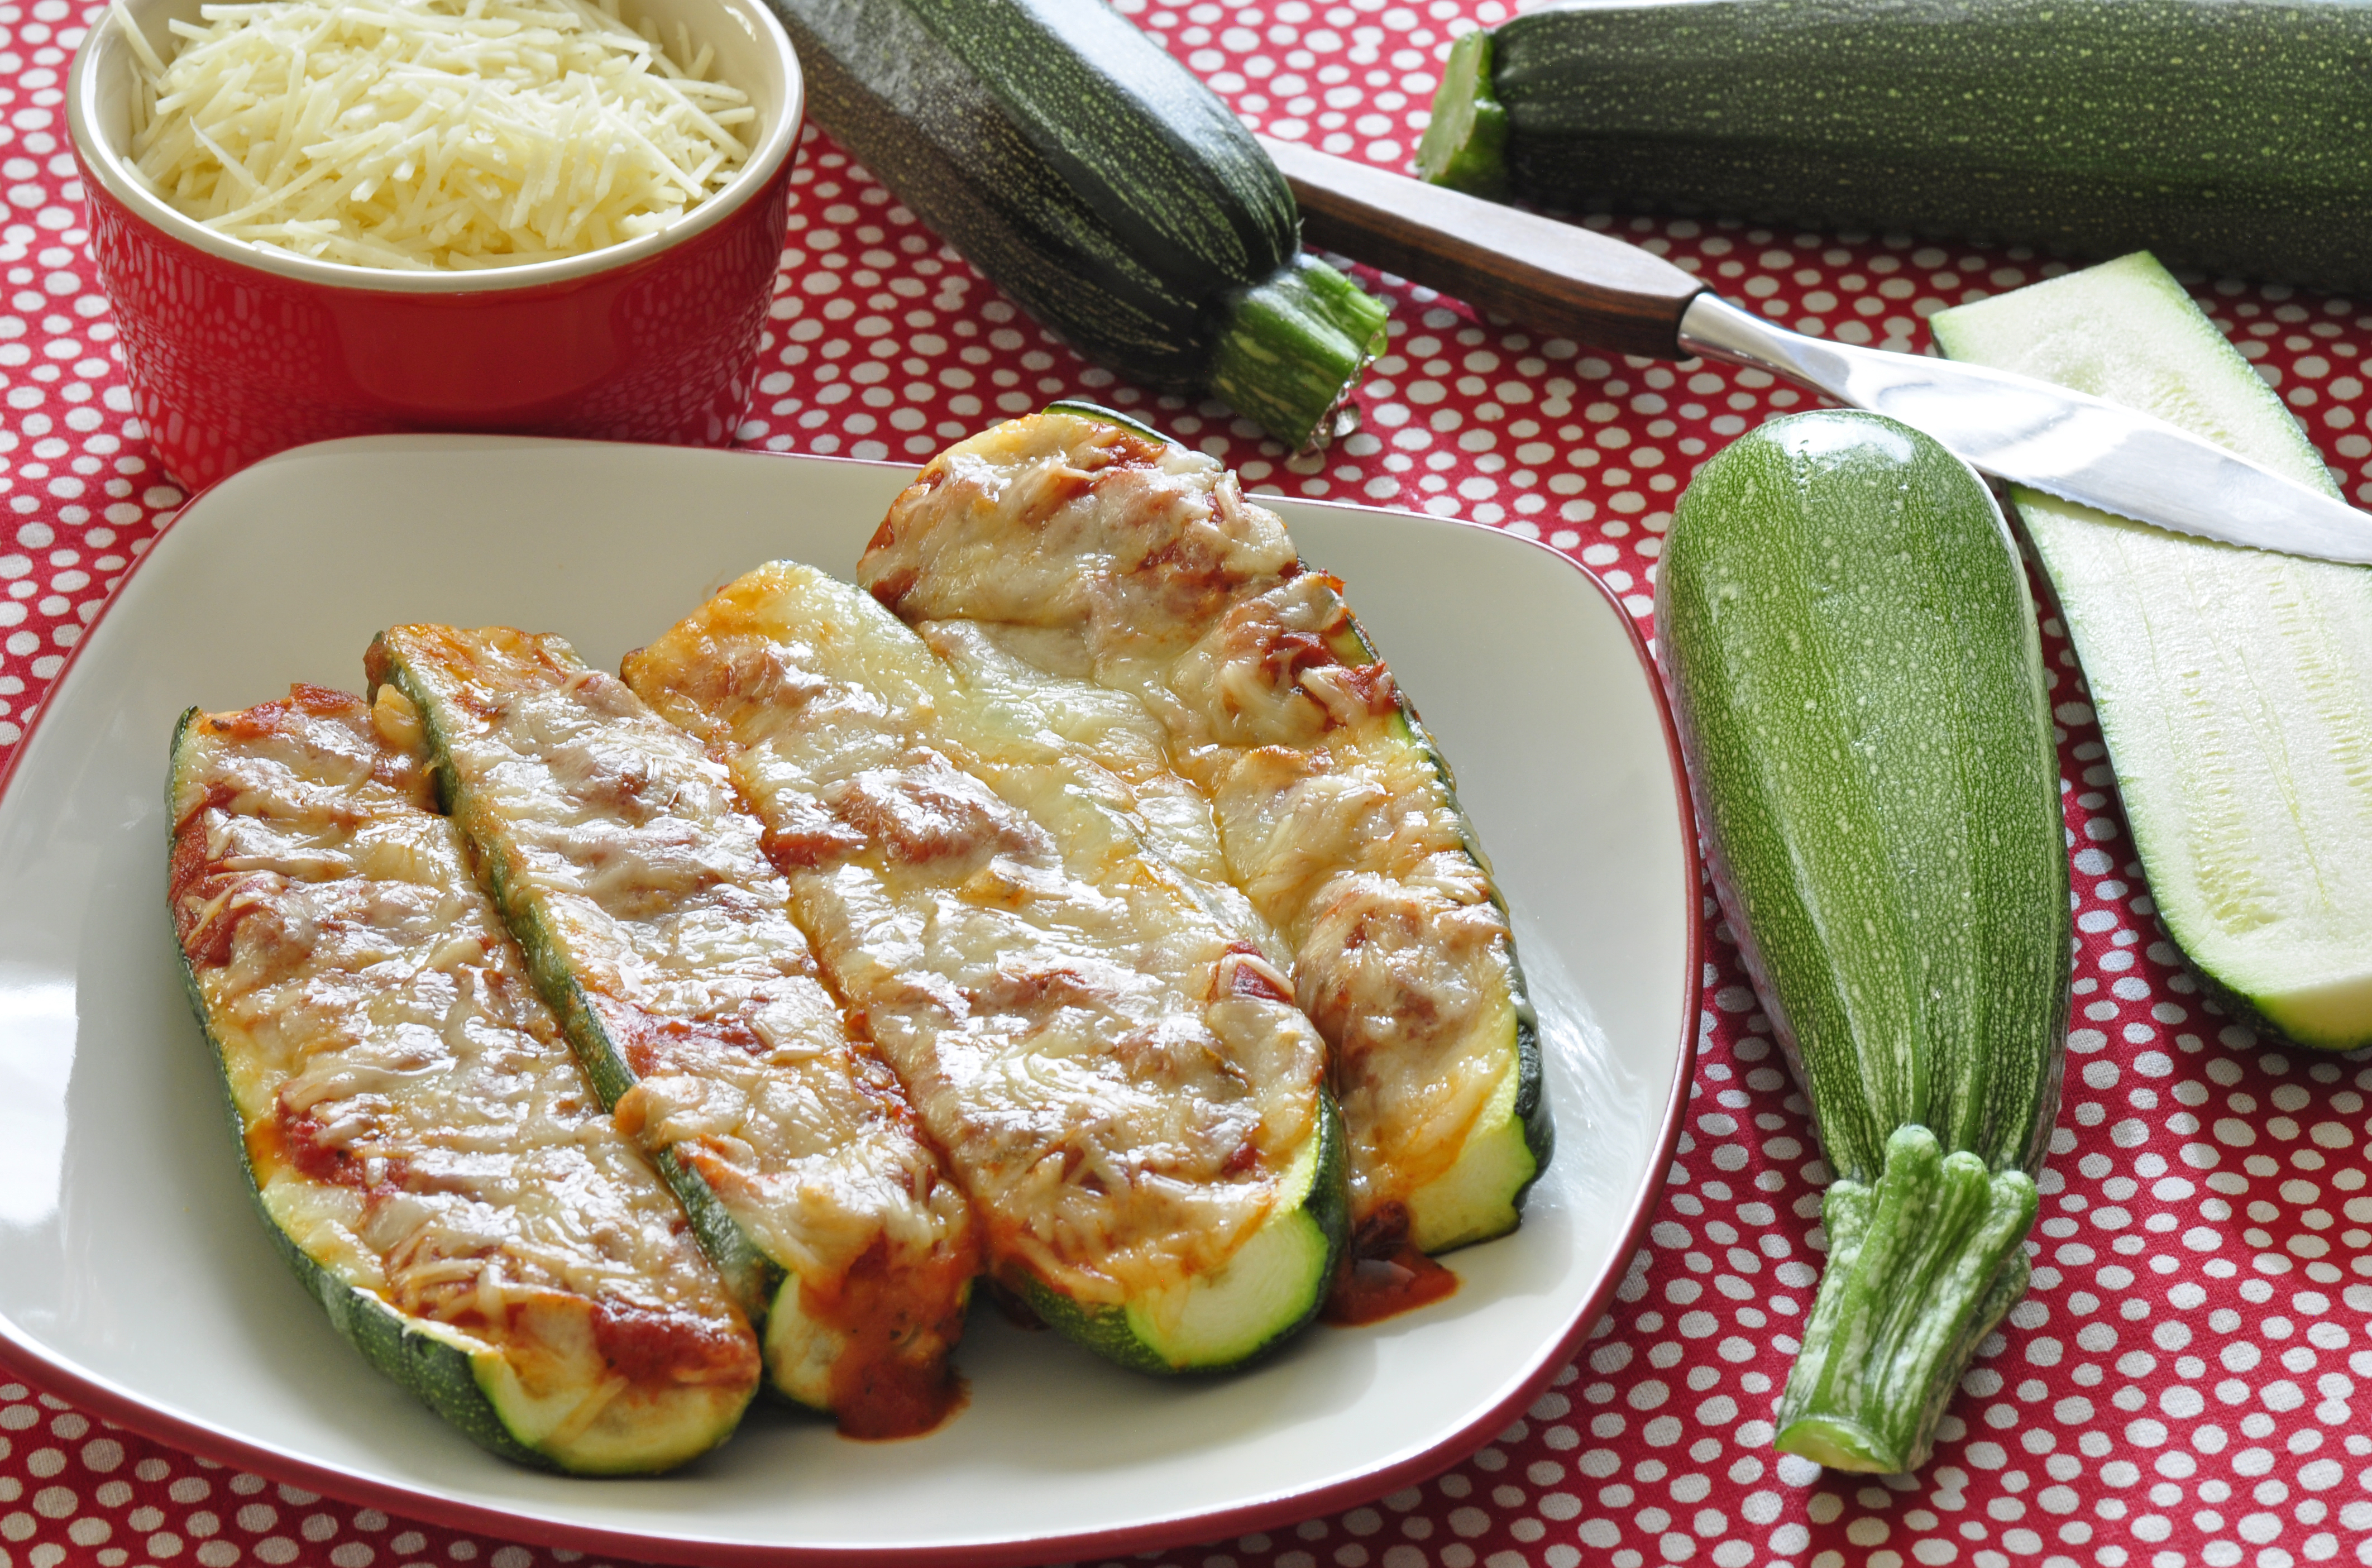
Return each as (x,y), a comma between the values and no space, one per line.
(1579,283)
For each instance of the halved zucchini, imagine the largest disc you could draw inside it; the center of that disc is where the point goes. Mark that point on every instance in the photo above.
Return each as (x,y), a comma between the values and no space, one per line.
(423,1147)
(1083,548)
(658,929)
(2234,686)
(1101,1044)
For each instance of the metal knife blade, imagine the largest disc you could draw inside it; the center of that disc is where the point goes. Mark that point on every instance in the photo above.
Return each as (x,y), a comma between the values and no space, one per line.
(2066,444)
(1576,282)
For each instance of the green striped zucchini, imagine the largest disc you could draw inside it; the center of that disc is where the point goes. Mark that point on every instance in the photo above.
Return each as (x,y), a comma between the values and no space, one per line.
(2234,686)
(1857,678)
(424,1150)
(2232,136)
(1092,178)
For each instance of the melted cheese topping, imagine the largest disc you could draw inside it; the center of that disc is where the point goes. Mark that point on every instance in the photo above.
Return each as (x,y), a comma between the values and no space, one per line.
(620,850)
(413,1119)
(1099,1037)
(1085,549)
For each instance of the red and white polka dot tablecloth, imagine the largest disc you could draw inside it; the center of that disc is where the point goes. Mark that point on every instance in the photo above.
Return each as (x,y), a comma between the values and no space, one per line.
(2181,1387)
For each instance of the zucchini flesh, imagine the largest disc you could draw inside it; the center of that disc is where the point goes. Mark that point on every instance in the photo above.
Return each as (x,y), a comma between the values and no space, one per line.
(423,1147)
(1080,547)
(657,931)
(1857,678)
(2232,136)
(1092,178)
(2234,686)
(1102,1044)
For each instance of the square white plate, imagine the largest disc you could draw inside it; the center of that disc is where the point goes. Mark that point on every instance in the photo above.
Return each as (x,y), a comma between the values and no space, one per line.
(134,1276)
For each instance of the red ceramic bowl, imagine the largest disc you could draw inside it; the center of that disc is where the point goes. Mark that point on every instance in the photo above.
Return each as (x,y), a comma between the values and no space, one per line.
(234,353)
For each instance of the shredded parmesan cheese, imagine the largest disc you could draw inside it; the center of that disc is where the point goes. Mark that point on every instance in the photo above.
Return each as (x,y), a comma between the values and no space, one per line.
(431,134)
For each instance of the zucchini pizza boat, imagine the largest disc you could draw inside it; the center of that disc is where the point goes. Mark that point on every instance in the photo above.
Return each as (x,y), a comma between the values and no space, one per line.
(658,933)
(1086,547)
(421,1142)
(1103,1045)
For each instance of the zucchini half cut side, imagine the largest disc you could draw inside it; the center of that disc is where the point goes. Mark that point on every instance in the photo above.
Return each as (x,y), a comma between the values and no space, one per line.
(1481,1194)
(2234,686)
(658,932)
(1102,1043)
(1079,547)
(419,1141)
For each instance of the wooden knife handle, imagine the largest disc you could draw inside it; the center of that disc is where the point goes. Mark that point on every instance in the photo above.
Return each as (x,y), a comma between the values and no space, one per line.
(1556,278)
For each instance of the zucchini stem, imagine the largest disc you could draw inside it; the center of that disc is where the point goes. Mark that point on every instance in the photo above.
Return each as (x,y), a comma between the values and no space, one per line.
(1465,143)
(1923,1262)
(1289,348)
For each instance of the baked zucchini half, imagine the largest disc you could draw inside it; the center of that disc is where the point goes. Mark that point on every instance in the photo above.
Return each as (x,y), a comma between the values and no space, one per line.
(1084,548)
(422,1145)
(658,933)
(1103,1045)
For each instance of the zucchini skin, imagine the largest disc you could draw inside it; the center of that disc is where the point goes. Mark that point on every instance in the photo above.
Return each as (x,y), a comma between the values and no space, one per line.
(1092,178)
(1857,675)
(2229,134)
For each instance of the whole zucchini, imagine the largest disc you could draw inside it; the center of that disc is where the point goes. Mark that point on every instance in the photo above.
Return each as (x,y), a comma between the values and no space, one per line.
(1092,178)
(2223,134)
(2234,686)
(1857,675)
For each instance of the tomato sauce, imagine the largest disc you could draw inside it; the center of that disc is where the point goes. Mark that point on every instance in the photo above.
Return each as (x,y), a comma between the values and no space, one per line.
(892,1378)
(661,1348)
(654,1045)
(297,1140)
(186,884)
(1250,975)
(892,589)
(1382,1274)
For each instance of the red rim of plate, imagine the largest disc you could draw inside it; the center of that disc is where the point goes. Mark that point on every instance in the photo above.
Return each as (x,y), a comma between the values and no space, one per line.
(127,1409)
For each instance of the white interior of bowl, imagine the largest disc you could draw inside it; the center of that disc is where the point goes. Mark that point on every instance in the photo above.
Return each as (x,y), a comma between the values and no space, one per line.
(752,54)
